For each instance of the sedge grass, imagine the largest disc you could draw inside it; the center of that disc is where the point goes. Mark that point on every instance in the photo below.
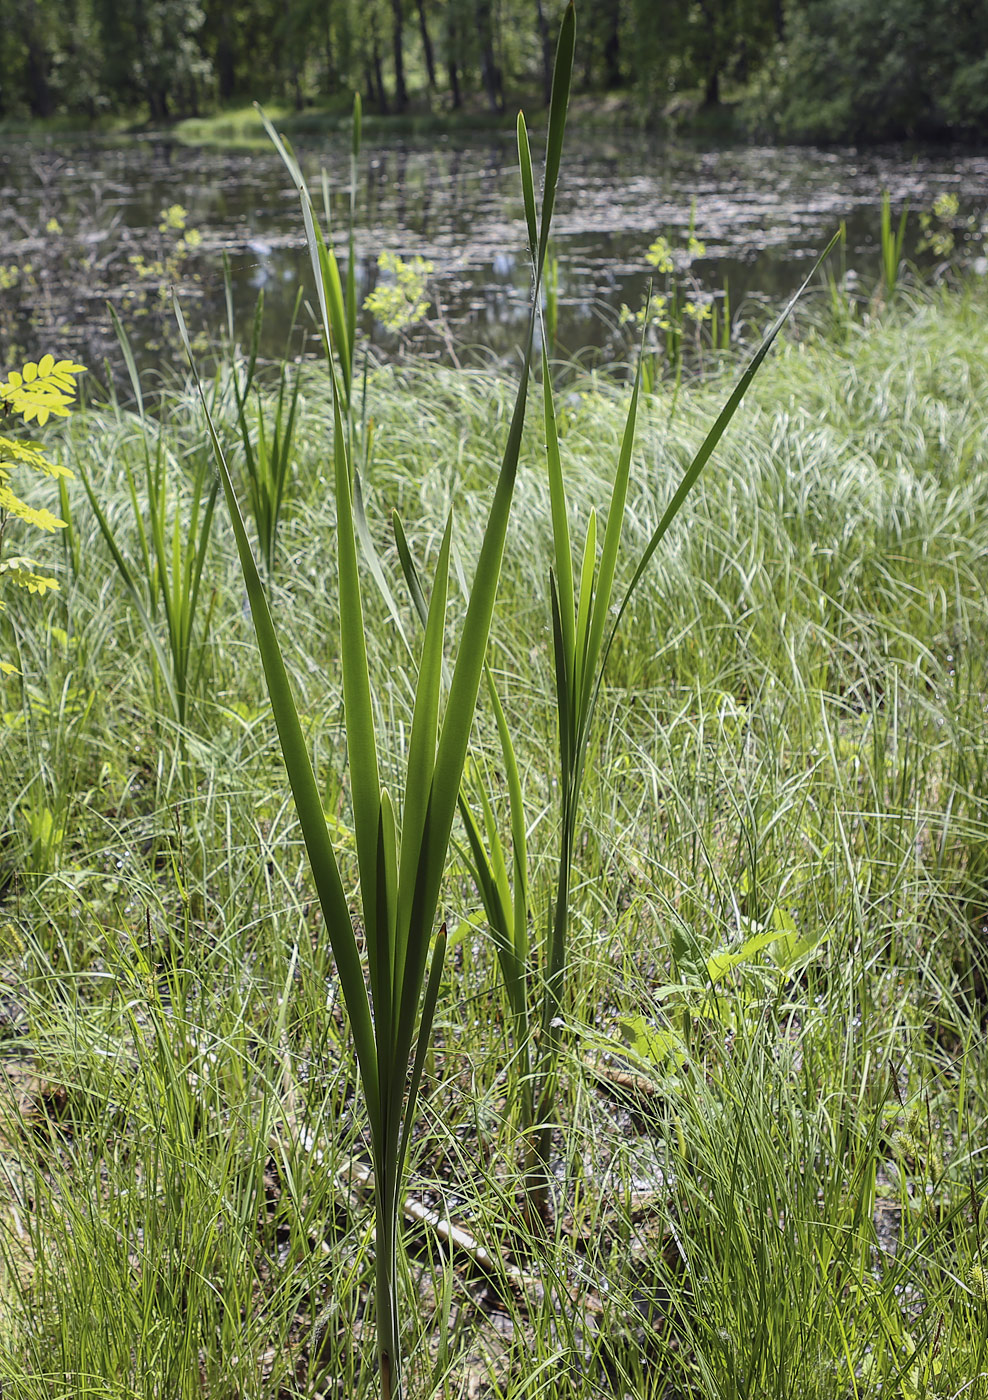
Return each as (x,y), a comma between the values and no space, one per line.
(792,718)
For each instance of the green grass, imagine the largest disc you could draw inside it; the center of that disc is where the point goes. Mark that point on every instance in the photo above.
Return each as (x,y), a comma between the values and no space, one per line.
(768,1183)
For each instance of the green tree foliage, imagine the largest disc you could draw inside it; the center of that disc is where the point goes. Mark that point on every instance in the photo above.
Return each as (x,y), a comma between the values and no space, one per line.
(882,69)
(34,394)
(808,69)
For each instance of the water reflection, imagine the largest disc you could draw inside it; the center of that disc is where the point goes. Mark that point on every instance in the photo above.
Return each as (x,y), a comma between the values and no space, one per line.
(763,213)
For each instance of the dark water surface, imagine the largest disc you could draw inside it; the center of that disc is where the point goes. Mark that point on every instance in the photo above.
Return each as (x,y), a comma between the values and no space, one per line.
(763,213)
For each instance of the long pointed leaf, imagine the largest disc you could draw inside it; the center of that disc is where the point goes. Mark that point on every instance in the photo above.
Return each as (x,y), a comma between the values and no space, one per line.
(612,543)
(527,187)
(712,439)
(408,568)
(584,605)
(562,75)
(325,871)
(123,340)
(386,907)
(421,1049)
(560,522)
(365,783)
(421,760)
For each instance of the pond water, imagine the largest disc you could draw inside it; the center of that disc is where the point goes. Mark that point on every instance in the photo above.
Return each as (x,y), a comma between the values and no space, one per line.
(762,213)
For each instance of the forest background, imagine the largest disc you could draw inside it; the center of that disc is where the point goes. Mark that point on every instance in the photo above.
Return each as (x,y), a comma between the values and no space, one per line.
(821,70)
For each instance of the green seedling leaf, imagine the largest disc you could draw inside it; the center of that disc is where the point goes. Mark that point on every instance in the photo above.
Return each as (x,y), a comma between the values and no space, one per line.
(719,964)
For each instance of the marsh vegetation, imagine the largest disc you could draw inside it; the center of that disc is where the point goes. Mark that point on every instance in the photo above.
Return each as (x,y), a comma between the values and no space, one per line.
(730,1142)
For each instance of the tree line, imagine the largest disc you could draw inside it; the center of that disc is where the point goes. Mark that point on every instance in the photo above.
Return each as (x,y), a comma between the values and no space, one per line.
(806,69)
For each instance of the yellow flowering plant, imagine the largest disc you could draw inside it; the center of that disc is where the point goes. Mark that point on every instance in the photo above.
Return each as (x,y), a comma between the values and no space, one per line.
(39,391)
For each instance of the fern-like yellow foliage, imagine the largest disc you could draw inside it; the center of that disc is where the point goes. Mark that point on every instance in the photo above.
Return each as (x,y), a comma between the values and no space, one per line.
(35,393)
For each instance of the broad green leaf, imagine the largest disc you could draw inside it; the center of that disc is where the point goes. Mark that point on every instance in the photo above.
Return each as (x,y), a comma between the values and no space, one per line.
(719,964)
(650,1044)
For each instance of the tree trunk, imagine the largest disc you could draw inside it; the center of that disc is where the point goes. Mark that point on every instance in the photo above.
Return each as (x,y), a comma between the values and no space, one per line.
(452,69)
(374,71)
(39,88)
(489,70)
(612,44)
(711,95)
(546,43)
(427,49)
(398,37)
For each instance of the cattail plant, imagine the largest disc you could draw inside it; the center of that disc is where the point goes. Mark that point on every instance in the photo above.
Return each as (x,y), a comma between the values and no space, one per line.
(401,842)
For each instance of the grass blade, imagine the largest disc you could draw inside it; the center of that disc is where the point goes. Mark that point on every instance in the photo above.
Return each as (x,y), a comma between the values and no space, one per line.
(560,522)
(558,104)
(527,186)
(421,755)
(308,803)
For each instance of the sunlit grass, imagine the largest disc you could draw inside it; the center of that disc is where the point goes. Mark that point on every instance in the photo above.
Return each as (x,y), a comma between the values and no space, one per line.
(777,1192)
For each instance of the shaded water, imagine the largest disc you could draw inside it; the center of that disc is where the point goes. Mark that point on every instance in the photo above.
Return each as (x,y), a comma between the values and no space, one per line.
(762,213)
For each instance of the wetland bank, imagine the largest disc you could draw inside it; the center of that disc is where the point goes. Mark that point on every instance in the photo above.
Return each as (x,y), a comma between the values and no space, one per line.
(765,1172)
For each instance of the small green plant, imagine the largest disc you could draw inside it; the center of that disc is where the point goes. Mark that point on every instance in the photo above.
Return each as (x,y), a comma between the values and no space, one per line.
(677,304)
(401,301)
(166,266)
(585,623)
(268,444)
(165,579)
(892,240)
(937,224)
(41,390)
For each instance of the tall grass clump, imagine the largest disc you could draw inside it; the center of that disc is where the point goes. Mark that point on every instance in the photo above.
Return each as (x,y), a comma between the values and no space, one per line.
(585,620)
(401,849)
(164,580)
